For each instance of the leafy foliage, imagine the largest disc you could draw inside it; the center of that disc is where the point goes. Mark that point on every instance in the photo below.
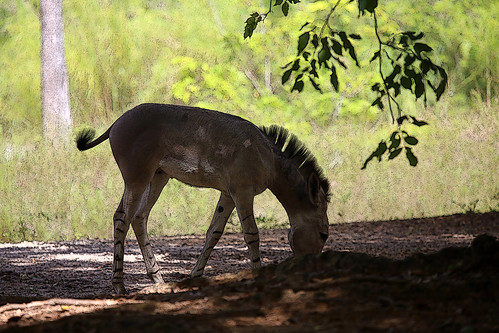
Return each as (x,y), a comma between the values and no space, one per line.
(399,141)
(411,69)
(255,18)
(410,66)
(315,53)
(121,53)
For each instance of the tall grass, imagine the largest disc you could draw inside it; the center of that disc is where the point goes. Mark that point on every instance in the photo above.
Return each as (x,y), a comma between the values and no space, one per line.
(120,54)
(458,171)
(53,193)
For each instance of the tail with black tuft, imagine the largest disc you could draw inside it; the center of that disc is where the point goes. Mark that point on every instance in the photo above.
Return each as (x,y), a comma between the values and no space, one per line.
(85,137)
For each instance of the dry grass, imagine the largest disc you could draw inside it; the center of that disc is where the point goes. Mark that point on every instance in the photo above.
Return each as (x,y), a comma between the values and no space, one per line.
(52,194)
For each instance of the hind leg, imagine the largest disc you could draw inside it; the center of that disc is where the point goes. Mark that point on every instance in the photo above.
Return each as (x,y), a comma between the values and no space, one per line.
(131,201)
(120,231)
(139,225)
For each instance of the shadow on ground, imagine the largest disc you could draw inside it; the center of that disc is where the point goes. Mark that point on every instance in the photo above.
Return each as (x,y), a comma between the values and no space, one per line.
(438,276)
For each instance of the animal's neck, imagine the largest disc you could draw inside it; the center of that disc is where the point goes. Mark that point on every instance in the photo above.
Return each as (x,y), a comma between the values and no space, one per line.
(289,187)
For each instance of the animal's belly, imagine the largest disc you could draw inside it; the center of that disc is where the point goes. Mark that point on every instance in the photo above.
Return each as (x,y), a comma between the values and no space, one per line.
(199,172)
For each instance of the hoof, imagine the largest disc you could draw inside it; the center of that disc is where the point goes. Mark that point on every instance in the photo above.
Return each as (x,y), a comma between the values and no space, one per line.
(256,264)
(156,278)
(197,274)
(119,289)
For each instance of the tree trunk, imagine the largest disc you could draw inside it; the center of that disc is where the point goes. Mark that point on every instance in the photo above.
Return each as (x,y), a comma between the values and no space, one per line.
(55,90)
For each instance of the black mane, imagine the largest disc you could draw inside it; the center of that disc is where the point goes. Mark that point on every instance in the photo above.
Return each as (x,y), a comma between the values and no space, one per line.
(292,148)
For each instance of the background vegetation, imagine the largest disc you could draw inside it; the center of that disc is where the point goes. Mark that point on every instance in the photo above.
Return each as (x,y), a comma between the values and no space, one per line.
(122,53)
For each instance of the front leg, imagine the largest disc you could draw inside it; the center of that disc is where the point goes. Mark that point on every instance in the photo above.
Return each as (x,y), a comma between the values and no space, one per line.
(224,208)
(250,230)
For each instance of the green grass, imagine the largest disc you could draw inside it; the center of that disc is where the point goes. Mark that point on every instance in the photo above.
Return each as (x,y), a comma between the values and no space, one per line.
(53,193)
(121,54)
(458,166)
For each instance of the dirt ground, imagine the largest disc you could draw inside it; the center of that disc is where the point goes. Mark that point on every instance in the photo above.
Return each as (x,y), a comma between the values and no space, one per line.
(422,275)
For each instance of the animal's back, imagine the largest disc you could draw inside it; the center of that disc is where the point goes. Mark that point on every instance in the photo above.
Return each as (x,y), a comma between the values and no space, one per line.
(197,146)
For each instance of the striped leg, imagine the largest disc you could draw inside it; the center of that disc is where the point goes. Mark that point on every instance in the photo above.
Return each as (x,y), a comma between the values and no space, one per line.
(224,208)
(120,231)
(139,225)
(250,230)
(132,201)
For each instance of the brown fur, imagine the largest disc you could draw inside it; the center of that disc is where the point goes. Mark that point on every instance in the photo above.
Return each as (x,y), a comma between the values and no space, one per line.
(154,142)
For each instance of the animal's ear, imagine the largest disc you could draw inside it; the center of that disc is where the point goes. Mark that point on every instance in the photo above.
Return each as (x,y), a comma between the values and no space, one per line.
(314,189)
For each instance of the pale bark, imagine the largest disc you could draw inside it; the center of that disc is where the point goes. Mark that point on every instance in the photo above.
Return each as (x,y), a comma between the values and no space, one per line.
(55,86)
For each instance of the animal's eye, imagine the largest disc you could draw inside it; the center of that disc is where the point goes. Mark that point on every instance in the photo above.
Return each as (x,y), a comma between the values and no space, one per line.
(324,236)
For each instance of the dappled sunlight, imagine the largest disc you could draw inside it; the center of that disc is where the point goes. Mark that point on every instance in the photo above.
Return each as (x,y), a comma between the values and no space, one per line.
(413,237)
(355,284)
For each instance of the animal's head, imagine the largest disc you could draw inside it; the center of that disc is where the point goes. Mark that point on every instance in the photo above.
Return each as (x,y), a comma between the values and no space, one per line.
(309,223)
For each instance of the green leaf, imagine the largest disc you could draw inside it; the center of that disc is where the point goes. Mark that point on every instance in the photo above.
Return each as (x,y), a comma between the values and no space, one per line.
(391,77)
(286,75)
(375,56)
(411,73)
(377,153)
(396,87)
(401,120)
(347,45)
(303,41)
(425,66)
(411,140)
(278,2)
(377,102)
(418,123)
(406,82)
(394,153)
(395,140)
(315,41)
(419,90)
(377,87)
(420,47)
(324,54)
(249,27)
(367,161)
(251,24)
(412,35)
(403,41)
(334,78)
(381,150)
(298,85)
(413,160)
(303,26)
(369,5)
(337,48)
(408,60)
(313,70)
(443,83)
(315,84)
(285,8)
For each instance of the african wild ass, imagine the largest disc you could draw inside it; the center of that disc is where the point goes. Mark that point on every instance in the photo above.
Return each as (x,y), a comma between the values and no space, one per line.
(152,143)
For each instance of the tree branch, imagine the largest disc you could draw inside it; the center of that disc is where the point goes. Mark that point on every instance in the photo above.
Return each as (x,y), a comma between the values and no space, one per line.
(380,62)
(326,21)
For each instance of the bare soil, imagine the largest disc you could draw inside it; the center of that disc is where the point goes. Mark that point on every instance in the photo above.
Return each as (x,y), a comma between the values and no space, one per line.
(421,275)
